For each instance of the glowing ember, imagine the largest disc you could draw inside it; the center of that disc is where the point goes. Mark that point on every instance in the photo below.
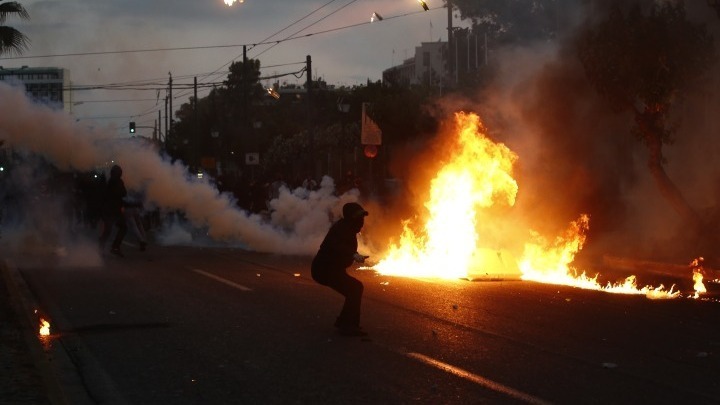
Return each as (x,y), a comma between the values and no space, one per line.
(44,327)
(698,277)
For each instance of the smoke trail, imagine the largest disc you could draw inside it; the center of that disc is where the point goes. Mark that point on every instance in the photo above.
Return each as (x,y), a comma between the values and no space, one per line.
(299,220)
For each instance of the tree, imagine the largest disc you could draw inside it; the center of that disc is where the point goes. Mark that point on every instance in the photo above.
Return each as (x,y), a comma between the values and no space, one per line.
(512,21)
(642,63)
(225,113)
(12,41)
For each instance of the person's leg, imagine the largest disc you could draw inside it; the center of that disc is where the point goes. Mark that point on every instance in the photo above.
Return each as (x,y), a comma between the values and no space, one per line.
(352,289)
(106,229)
(122,230)
(142,236)
(133,220)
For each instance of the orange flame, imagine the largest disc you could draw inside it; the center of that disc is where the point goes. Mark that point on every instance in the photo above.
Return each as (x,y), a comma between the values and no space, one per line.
(479,175)
(449,244)
(699,286)
(44,327)
(550,263)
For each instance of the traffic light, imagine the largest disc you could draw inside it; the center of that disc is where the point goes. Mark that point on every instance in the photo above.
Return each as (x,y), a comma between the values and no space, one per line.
(132,127)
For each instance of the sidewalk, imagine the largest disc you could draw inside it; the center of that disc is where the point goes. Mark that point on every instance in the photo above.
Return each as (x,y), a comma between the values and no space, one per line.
(21,375)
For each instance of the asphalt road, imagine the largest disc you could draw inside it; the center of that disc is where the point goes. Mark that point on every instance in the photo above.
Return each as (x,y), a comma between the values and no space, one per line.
(223,326)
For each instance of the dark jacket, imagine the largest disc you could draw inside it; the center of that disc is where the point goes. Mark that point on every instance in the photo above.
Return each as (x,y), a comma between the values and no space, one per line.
(337,249)
(115,192)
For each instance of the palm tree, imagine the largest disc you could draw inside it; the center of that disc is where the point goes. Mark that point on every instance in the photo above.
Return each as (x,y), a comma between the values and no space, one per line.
(12,41)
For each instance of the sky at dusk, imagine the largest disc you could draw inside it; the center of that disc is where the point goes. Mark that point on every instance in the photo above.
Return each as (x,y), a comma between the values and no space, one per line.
(346,49)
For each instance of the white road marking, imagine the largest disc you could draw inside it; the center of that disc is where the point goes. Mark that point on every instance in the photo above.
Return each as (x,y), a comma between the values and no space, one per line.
(478,379)
(222,280)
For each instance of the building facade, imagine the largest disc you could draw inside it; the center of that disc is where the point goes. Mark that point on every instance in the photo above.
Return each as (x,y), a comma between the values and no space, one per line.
(427,67)
(46,85)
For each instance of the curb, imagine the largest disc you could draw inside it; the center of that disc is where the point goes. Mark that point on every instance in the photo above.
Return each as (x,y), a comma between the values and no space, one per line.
(25,307)
(51,359)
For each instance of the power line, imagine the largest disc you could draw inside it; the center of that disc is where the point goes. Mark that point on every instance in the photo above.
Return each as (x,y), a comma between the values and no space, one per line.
(162,86)
(252,45)
(112,101)
(306,27)
(140,85)
(277,32)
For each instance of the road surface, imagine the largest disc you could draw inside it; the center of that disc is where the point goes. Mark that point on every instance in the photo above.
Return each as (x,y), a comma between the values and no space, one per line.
(189,325)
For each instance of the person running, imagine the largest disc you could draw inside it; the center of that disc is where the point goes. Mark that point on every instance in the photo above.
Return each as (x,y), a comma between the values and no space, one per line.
(329,266)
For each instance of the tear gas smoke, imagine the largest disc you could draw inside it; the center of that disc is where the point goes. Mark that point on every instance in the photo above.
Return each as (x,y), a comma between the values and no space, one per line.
(299,218)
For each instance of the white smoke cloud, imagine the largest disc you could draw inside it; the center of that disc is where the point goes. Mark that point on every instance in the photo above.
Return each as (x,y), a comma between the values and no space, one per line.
(299,218)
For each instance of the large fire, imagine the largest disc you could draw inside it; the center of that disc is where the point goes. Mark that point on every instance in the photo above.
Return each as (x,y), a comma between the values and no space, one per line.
(480,175)
(448,244)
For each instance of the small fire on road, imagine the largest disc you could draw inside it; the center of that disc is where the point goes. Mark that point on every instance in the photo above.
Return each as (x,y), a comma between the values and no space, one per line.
(468,230)
(44,327)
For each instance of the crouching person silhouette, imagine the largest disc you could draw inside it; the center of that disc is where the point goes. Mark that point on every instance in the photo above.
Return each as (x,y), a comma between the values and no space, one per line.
(329,267)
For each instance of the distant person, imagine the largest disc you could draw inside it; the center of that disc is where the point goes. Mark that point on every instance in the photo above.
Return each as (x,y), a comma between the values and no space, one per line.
(112,211)
(329,267)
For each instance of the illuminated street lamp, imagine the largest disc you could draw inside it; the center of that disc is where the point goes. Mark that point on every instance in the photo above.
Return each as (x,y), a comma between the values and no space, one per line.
(231,2)
(424,5)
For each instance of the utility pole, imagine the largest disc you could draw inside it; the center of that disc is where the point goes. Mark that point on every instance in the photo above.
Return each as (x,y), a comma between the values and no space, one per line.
(245,124)
(311,135)
(169,128)
(159,125)
(451,51)
(196,140)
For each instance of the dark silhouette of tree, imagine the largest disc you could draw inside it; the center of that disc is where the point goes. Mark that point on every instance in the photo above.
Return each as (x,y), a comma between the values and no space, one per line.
(513,21)
(642,61)
(12,41)
(222,123)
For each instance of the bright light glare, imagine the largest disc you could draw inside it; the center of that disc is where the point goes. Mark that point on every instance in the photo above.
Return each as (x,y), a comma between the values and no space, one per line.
(231,2)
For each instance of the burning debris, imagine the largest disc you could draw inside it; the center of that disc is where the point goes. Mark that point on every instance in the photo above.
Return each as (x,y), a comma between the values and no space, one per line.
(697,275)
(44,327)
(461,236)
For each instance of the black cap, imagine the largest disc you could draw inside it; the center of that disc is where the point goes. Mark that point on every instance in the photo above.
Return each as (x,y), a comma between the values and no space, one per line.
(353,210)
